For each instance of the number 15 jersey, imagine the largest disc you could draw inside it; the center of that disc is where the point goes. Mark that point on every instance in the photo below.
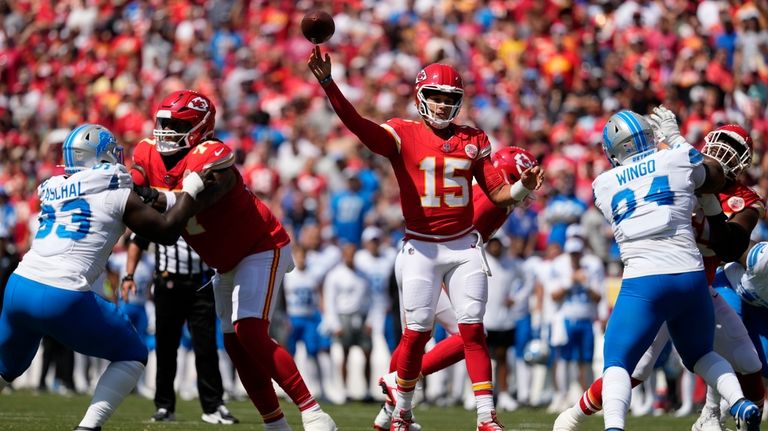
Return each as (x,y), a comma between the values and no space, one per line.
(649,204)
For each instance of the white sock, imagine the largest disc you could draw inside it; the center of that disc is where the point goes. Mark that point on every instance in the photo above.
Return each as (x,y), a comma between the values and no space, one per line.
(713,399)
(114,385)
(404,400)
(687,386)
(523,378)
(617,391)
(484,407)
(311,411)
(325,364)
(561,378)
(717,372)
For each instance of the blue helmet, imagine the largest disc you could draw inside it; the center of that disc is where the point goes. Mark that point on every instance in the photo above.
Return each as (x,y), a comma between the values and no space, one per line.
(89,145)
(625,135)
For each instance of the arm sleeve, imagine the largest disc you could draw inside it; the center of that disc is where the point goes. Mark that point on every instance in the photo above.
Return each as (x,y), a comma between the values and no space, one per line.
(728,240)
(372,135)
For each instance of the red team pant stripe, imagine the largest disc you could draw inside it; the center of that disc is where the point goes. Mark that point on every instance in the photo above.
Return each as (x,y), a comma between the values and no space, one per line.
(271,286)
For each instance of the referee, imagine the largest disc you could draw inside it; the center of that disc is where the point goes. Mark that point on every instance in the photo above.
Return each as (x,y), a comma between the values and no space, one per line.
(179,296)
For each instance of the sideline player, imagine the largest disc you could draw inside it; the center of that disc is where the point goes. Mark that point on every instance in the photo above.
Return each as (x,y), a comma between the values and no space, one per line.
(238,235)
(434,161)
(83,214)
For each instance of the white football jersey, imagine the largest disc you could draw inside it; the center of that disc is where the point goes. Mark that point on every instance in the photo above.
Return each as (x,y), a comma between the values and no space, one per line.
(81,219)
(302,292)
(649,204)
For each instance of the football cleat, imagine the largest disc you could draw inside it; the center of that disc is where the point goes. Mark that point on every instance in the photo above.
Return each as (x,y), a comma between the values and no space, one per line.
(491,425)
(747,415)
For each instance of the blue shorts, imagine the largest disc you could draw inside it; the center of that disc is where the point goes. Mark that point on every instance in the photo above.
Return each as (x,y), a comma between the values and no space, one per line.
(682,300)
(137,314)
(305,329)
(581,341)
(523,334)
(82,321)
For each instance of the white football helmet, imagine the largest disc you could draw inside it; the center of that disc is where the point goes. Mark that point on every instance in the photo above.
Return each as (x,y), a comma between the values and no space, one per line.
(754,283)
(87,146)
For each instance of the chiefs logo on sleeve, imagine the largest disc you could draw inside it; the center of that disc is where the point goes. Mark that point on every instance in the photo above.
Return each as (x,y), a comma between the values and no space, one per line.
(739,197)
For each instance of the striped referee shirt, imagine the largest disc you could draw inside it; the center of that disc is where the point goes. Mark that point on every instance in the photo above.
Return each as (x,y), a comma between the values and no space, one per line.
(177,259)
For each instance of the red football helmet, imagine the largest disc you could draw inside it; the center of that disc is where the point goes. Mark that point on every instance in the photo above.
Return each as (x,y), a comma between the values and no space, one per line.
(512,161)
(184,119)
(439,78)
(731,145)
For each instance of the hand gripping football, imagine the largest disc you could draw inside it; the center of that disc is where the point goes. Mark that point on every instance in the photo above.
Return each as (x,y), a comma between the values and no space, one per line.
(317,26)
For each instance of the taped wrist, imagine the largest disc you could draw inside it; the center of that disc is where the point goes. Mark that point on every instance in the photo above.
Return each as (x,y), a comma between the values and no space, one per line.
(170,200)
(518,191)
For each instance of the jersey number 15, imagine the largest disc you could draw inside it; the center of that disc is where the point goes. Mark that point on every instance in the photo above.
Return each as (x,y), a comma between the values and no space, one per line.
(430,198)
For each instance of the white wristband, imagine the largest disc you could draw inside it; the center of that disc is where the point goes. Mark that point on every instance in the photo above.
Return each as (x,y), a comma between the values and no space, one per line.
(518,192)
(710,204)
(170,200)
(192,184)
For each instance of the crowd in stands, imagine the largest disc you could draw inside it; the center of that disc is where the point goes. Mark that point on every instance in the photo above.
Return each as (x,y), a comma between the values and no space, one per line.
(543,75)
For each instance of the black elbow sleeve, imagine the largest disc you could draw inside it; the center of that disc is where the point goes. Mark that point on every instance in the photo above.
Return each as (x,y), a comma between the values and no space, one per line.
(729,240)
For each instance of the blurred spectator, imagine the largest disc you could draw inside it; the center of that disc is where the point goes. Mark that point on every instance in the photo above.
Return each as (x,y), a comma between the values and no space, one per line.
(347,296)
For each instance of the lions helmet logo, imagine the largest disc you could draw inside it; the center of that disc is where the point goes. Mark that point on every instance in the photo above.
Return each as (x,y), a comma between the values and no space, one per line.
(198,104)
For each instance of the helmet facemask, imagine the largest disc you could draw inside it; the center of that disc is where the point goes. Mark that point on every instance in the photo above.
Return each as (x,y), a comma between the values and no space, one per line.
(434,118)
(730,150)
(172,134)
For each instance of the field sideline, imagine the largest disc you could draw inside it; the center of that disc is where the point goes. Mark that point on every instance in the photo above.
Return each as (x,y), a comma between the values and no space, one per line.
(27,411)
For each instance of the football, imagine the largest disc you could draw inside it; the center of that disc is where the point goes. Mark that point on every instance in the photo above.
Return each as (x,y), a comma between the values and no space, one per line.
(317,26)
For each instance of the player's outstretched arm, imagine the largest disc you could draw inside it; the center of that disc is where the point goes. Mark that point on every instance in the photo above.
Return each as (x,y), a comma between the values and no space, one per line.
(371,134)
(163,228)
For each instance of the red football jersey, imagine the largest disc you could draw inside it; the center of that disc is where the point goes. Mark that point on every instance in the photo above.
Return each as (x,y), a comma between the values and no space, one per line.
(435,177)
(734,199)
(488,217)
(236,226)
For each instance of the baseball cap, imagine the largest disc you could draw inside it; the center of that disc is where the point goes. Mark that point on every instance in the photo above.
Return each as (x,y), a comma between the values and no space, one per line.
(371,233)
(573,245)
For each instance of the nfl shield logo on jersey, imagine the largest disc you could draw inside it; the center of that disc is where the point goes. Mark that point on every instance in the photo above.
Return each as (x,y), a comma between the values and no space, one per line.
(471,151)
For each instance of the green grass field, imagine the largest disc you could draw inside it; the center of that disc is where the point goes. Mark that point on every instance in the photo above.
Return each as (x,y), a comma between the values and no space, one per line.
(27,411)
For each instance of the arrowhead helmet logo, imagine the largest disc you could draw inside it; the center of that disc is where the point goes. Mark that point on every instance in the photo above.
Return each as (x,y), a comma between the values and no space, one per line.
(198,104)
(421,76)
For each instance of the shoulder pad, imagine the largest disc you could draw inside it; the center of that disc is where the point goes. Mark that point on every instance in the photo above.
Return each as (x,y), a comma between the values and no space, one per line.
(104,176)
(214,155)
